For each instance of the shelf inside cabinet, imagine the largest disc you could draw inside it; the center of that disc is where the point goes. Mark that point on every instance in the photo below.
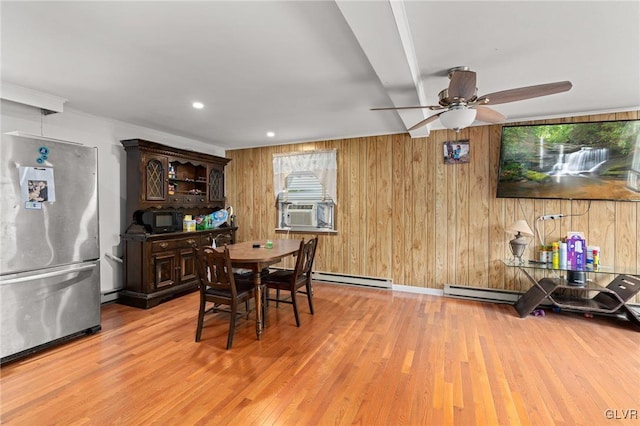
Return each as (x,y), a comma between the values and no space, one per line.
(186,178)
(187,181)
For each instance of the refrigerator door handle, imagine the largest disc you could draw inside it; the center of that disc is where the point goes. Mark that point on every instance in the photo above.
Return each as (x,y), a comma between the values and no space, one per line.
(47,274)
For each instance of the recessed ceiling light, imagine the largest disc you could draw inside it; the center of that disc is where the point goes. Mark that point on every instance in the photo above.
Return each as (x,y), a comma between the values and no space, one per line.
(270,134)
(198,105)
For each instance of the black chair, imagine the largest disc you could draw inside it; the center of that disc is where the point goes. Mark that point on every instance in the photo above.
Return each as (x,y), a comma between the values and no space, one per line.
(219,286)
(294,281)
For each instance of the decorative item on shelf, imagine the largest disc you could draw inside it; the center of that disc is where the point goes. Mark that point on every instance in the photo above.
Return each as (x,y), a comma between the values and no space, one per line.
(593,257)
(576,251)
(188,224)
(172,171)
(563,254)
(201,222)
(219,217)
(555,254)
(545,253)
(231,217)
(519,243)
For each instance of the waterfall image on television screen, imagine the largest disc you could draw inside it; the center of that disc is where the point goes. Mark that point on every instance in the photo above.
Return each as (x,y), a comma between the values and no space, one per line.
(577,161)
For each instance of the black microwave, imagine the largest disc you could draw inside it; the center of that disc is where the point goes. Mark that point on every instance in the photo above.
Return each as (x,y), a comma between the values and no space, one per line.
(160,221)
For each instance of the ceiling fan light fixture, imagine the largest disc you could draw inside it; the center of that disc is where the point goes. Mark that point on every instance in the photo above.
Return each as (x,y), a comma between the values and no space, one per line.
(458,117)
(460,98)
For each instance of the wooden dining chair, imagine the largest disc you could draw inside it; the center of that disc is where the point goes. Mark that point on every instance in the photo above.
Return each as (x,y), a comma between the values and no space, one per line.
(219,286)
(298,280)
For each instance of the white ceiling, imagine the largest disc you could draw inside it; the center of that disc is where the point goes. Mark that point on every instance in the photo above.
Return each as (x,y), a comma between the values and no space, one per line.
(311,70)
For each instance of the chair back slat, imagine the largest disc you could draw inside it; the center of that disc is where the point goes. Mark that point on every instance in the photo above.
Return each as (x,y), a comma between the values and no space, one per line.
(304,261)
(309,255)
(300,260)
(214,269)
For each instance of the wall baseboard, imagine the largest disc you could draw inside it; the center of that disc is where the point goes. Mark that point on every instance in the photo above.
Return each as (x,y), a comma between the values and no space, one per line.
(418,290)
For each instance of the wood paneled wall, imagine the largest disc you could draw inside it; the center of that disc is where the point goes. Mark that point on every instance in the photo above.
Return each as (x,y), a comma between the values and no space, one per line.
(403,214)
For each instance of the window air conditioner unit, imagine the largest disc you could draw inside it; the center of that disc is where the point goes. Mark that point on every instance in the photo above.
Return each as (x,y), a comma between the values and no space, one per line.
(301,215)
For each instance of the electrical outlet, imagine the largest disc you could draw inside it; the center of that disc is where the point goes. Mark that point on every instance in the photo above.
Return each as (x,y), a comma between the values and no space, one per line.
(551,216)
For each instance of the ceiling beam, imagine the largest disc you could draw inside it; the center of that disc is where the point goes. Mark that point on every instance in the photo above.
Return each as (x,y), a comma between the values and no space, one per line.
(385,38)
(47,103)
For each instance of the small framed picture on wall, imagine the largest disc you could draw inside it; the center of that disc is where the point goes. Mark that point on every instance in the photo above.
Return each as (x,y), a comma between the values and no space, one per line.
(456,151)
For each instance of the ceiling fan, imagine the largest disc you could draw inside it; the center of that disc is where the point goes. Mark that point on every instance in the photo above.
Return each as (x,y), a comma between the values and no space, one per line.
(462,106)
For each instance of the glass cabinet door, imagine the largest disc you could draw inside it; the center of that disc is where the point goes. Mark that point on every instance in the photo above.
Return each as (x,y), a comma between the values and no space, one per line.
(155,178)
(216,184)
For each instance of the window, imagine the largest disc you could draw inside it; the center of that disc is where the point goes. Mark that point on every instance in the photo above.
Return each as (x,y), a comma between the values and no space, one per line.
(305,188)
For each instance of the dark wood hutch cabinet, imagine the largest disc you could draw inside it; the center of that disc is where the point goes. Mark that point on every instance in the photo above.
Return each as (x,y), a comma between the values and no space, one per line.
(158,266)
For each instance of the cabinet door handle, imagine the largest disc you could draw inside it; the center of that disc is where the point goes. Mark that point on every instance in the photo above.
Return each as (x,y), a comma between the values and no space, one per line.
(191,242)
(164,245)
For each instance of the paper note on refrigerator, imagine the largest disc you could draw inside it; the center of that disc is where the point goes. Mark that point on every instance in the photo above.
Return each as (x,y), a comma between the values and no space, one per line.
(37,185)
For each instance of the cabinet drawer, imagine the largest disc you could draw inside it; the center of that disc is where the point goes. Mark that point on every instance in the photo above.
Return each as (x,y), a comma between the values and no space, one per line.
(194,199)
(158,246)
(188,242)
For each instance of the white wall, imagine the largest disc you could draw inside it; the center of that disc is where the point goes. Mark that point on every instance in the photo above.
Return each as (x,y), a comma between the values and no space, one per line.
(105,134)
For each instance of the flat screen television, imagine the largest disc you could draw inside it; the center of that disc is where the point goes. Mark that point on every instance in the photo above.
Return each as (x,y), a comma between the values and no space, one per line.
(574,161)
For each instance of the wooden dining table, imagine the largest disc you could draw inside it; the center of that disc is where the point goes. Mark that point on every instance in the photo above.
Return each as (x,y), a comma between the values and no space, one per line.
(246,256)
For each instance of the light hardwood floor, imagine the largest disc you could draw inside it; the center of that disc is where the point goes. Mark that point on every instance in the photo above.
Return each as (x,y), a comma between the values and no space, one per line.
(368,357)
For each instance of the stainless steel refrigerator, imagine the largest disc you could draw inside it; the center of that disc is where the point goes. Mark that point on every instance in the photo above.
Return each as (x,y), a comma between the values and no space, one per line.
(49,248)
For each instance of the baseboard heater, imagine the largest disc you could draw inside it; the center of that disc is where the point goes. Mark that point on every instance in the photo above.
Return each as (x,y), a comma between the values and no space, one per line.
(352,279)
(482,294)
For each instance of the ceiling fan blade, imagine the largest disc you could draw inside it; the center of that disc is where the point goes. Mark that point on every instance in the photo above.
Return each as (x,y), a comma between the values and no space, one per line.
(522,93)
(489,115)
(426,121)
(462,85)
(432,107)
